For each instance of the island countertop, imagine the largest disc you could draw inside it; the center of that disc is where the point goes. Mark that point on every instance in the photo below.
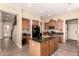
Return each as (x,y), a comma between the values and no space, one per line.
(40,40)
(43,47)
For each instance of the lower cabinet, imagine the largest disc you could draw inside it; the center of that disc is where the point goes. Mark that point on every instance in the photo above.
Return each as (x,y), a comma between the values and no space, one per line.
(45,48)
(45,51)
(48,47)
(51,46)
(61,39)
(56,43)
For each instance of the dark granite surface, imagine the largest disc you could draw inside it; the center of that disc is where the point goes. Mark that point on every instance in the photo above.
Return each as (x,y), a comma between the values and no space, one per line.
(40,40)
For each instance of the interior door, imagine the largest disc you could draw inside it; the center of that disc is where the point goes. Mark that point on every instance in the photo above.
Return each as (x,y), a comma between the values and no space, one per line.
(72,30)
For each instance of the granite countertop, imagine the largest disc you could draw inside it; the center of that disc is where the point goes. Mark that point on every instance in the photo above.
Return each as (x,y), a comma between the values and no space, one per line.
(40,40)
(48,37)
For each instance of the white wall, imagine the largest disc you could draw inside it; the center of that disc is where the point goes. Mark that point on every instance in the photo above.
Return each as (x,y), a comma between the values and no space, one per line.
(67,16)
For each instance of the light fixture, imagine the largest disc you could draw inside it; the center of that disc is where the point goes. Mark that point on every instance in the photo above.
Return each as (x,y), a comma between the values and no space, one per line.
(49,15)
(42,11)
(69,6)
(29,5)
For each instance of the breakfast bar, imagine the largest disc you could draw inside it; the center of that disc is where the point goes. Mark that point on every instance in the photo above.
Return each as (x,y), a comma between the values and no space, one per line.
(43,47)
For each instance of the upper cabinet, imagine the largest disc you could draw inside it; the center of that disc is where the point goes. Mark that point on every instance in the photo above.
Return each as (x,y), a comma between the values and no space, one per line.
(53,24)
(59,25)
(25,23)
(46,26)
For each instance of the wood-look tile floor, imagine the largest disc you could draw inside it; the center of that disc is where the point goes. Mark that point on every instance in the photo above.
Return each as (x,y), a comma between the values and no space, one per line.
(10,49)
(70,48)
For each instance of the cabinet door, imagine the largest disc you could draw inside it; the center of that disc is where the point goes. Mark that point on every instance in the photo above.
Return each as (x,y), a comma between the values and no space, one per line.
(51,46)
(56,43)
(45,51)
(45,48)
(61,39)
(46,26)
(52,23)
(59,25)
(25,24)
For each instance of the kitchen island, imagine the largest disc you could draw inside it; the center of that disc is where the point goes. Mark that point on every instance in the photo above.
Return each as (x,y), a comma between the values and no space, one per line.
(43,47)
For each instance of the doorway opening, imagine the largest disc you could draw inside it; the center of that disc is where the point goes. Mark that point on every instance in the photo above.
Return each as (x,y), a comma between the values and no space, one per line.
(72,30)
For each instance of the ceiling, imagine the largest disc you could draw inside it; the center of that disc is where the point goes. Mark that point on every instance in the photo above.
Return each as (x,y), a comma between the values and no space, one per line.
(48,9)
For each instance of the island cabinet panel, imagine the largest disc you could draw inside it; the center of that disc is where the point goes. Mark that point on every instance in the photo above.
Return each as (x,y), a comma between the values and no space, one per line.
(34,48)
(45,51)
(45,48)
(51,46)
(56,43)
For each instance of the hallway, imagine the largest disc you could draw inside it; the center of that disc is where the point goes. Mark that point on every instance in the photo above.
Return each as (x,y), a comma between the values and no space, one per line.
(65,49)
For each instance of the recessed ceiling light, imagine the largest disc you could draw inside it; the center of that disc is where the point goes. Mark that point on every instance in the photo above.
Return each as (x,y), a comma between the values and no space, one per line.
(69,8)
(42,11)
(29,5)
(49,15)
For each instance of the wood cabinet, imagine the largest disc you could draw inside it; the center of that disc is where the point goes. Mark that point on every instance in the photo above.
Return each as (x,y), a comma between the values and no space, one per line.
(51,46)
(52,23)
(25,24)
(46,26)
(60,39)
(48,47)
(56,43)
(59,25)
(45,49)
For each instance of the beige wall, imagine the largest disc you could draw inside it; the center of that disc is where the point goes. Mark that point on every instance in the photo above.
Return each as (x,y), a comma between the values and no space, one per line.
(67,16)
